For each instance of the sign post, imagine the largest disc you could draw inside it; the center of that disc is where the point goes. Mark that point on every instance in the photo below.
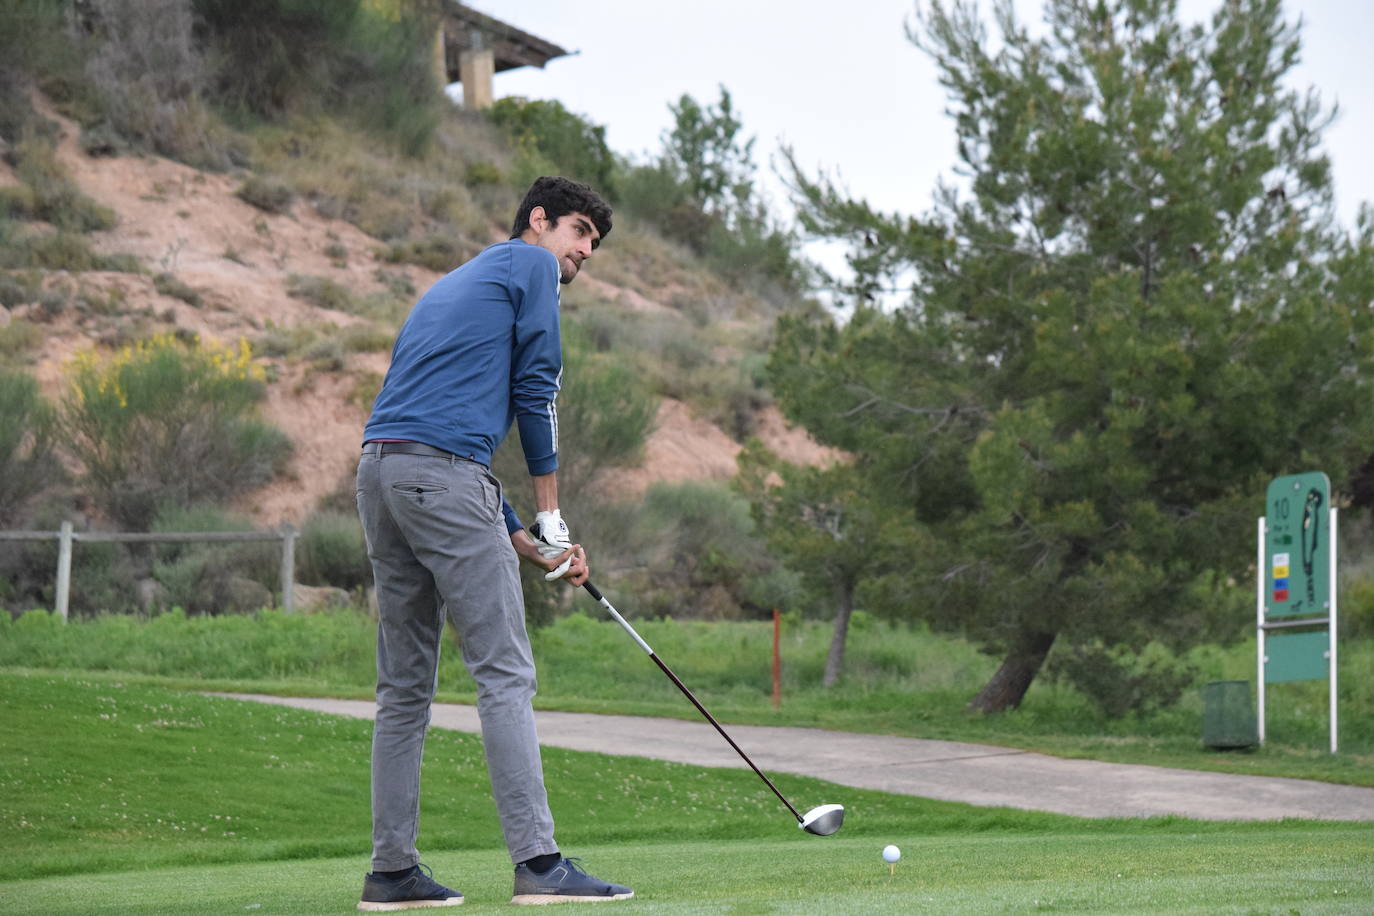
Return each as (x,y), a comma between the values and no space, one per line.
(1296,585)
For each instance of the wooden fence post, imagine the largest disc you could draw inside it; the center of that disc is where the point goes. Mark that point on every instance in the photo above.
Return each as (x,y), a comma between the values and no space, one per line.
(288,567)
(64,570)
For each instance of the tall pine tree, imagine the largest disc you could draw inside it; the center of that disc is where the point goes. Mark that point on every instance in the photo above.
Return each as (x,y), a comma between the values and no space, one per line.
(1139,309)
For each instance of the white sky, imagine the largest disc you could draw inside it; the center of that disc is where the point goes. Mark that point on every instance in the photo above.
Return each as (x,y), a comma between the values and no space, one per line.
(842,85)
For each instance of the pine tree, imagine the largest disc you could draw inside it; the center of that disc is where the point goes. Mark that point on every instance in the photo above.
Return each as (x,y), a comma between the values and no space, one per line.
(1139,310)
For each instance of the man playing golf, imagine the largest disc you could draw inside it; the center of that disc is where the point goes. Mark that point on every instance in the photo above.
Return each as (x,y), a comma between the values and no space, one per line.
(480,350)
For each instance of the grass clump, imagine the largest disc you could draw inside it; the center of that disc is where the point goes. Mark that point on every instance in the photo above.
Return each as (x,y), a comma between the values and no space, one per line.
(439,253)
(322,292)
(169,285)
(366,386)
(18,340)
(60,250)
(271,195)
(286,342)
(367,339)
(20,289)
(46,193)
(322,341)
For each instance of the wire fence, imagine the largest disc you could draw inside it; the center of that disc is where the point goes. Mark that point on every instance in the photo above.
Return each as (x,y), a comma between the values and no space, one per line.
(67,537)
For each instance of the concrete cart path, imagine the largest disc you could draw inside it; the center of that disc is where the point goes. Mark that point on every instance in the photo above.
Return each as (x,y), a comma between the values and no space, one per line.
(948,770)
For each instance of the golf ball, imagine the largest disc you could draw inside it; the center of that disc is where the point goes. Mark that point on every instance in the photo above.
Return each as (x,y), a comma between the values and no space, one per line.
(891,853)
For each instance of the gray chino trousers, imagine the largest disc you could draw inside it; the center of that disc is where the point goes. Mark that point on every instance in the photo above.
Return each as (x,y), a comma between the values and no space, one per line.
(438,542)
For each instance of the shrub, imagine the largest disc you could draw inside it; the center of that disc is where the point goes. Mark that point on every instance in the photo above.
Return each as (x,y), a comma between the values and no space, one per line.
(279,341)
(274,58)
(396,282)
(367,340)
(102,140)
(169,285)
(482,174)
(35,46)
(332,551)
(48,194)
(322,292)
(699,538)
(19,289)
(18,339)
(167,422)
(27,435)
(366,387)
(149,77)
(1120,681)
(569,142)
(60,250)
(327,354)
(1356,617)
(213,578)
(389,77)
(267,194)
(440,253)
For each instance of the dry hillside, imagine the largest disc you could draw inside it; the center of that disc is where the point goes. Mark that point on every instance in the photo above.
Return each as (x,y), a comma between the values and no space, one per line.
(240,260)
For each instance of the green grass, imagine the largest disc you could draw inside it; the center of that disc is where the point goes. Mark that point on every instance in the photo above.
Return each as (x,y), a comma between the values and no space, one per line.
(1174,874)
(902,680)
(105,776)
(120,798)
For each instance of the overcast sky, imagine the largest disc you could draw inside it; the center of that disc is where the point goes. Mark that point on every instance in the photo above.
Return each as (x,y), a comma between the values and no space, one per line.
(841,84)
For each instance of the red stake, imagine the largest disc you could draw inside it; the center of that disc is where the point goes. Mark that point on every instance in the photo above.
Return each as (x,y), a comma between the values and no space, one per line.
(777,661)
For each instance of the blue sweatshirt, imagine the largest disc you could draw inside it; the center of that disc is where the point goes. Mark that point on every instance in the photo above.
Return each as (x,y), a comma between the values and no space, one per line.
(480,350)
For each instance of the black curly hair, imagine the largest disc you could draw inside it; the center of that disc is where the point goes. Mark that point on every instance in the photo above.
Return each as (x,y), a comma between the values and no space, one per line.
(560,196)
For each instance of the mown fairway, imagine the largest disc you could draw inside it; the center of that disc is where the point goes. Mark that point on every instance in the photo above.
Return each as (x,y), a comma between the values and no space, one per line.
(117,798)
(1281,870)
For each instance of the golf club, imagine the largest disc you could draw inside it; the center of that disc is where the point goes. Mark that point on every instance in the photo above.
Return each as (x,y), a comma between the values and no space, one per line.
(822,820)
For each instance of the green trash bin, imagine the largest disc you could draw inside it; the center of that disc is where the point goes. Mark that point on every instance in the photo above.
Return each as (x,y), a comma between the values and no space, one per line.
(1228,716)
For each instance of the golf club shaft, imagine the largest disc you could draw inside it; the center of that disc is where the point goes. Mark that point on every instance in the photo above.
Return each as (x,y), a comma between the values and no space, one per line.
(596,593)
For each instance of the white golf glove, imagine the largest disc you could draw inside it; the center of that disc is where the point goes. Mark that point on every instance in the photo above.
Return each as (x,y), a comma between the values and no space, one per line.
(551,536)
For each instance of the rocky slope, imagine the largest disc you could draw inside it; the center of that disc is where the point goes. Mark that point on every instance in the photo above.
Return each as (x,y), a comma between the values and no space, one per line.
(241,262)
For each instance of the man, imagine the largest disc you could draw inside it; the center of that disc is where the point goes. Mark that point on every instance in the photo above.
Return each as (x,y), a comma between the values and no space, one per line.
(480,350)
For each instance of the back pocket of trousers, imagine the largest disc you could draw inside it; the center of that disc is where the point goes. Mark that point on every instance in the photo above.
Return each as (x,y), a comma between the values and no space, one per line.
(419,491)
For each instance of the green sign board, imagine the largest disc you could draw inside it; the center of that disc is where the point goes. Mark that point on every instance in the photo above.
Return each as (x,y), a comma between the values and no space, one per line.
(1296,656)
(1297,546)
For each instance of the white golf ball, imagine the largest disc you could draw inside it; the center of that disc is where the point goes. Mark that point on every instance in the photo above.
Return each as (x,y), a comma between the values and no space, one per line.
(891,853)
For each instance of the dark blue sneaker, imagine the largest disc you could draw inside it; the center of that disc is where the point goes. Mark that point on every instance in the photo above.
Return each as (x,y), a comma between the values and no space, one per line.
(564,883)
(415,889)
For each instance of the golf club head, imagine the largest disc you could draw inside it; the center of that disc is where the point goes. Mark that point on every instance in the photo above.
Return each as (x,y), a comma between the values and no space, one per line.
(824,820)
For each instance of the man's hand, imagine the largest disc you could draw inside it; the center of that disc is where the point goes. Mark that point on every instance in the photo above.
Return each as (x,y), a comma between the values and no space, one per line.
(551,536)
(568,562)
(550,533)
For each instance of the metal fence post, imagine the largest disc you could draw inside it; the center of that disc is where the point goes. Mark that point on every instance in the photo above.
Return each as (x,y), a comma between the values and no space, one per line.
(288,567)
(64,570)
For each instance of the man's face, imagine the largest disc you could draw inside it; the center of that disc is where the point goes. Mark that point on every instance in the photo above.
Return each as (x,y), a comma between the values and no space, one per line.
(572,240)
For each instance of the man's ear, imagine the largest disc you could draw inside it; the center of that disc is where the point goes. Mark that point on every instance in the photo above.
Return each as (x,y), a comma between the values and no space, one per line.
(539,219)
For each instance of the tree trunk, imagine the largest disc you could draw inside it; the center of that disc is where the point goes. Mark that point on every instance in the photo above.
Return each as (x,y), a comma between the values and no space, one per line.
(1005,689)
(834,661)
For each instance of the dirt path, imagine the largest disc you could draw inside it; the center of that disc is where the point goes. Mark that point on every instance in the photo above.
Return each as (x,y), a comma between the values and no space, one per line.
(947,770)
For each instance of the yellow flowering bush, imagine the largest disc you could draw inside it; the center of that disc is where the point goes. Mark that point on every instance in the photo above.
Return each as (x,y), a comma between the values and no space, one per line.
(167,421)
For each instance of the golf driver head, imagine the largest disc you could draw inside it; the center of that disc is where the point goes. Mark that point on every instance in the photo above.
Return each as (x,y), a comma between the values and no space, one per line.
(823,820)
